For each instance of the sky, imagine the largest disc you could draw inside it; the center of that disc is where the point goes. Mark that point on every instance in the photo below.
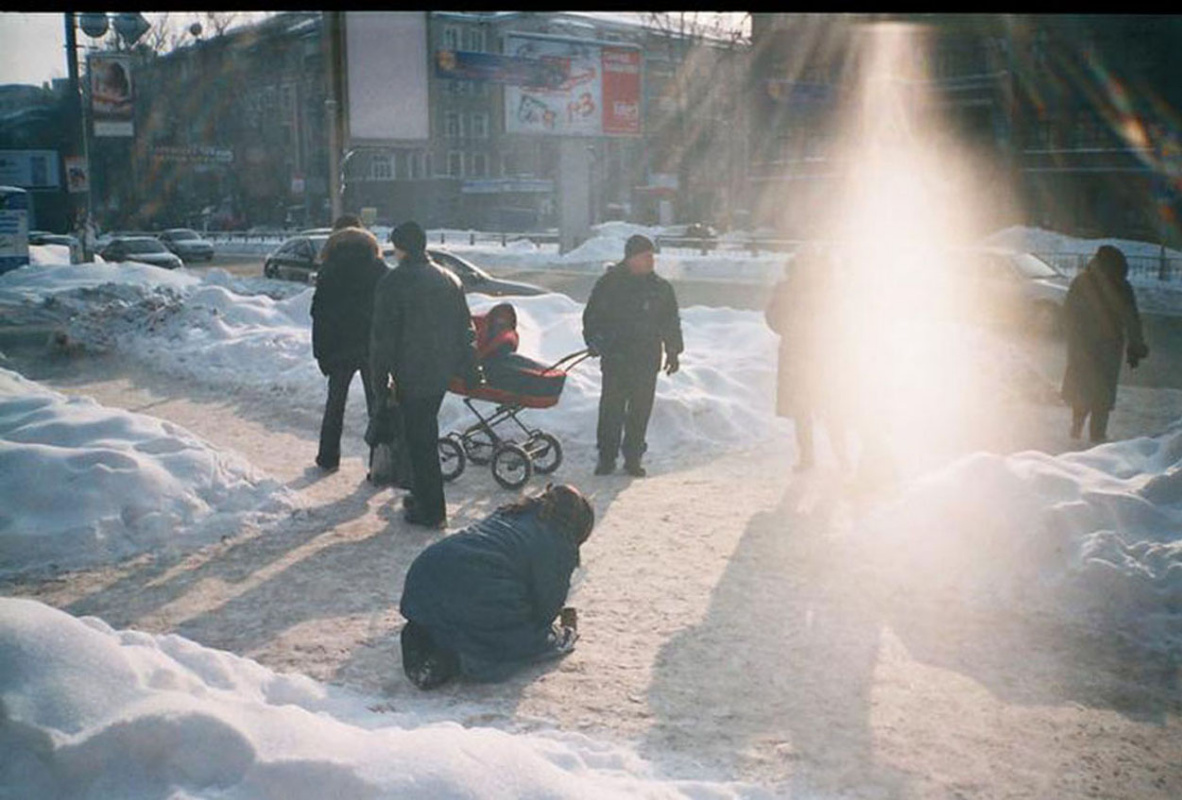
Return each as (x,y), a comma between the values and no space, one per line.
(32,45)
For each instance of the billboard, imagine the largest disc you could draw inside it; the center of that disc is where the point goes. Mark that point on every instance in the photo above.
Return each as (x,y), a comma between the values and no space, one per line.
(597,91)
(386,69)
(111,95)
(30,169)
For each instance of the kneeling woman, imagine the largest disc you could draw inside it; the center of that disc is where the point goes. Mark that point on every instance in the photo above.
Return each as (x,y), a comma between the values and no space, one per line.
(482,603)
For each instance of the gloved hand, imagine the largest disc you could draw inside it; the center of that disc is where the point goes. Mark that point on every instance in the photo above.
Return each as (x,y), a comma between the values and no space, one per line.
(565,639)
(671,364)
(593,351)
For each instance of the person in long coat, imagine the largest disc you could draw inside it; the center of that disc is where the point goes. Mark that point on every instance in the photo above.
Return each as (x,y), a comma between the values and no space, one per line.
(801,311)
(483,602)
(342,310)
(1100,318)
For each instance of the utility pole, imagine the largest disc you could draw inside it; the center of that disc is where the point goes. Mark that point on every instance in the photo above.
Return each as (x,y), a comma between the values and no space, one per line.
(332,25)
(77,145)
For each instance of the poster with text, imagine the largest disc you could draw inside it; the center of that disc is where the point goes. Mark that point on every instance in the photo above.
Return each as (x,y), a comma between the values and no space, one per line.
(588,89)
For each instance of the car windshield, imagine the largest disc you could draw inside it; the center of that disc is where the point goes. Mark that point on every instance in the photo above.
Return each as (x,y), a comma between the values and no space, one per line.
(183,236)
(143,246)
(1031,266)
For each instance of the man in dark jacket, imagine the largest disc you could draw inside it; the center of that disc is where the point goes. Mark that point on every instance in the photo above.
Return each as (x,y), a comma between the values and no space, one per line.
(422,336)
(1099,312)
(482,603)
(342,310)
(631,314)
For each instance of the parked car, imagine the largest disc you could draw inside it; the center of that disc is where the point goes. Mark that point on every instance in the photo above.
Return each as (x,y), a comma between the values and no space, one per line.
(1012,288)
(698,235)
(187,244)
(298,258)
(144,249)
(45,237)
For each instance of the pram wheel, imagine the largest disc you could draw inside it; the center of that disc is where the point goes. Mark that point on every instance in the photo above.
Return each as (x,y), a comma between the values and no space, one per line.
(479,447)
(545,452)
(451,458)
(511,466)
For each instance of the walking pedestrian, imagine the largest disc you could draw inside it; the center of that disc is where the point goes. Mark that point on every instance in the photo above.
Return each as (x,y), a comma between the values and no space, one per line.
(630,317)
(483,602)
(422,337)
(1100,315)
(342,310)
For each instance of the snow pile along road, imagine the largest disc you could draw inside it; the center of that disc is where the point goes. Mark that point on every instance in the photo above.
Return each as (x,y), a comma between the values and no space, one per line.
(84,484)
(89,711)
(1091,537)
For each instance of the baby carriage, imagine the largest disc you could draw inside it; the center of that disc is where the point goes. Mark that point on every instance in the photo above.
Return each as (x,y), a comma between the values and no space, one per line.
(513,383)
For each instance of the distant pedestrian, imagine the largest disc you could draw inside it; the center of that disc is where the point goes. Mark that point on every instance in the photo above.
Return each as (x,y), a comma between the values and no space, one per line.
(630,317)
(1100,314)
(483,602)
(422,337)
(803,311)
(342,311)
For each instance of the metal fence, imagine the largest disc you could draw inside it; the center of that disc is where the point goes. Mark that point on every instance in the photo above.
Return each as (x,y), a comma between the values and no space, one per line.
(1160,267)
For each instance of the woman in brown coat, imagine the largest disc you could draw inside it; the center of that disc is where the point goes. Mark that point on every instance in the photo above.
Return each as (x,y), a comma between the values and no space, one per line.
(1099,313)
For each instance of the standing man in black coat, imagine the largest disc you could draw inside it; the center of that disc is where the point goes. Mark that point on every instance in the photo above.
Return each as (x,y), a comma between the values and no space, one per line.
(631,314)
(1099,313)
(342,310)
(422,336)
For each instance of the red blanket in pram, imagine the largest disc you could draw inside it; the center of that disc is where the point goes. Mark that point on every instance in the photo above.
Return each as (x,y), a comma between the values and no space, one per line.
(511,378)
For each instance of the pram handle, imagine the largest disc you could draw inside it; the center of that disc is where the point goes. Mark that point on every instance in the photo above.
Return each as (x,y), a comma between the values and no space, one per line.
(571,360)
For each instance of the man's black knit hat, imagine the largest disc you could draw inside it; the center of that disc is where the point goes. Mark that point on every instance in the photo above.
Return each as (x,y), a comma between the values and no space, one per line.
(409,237)
(638,243)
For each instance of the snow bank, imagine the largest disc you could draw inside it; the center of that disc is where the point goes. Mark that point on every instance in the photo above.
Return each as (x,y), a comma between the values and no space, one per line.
(1094,536)
(85,484)
(89,711)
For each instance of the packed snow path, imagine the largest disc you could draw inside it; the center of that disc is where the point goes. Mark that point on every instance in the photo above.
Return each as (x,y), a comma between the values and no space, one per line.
(727,627)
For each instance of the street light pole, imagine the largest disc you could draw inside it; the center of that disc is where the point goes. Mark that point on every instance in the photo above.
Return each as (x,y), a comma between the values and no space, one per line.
(77,126)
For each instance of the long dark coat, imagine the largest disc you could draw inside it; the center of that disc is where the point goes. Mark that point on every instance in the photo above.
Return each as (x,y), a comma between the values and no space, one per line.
(1099,313)
(342,304)
(490,592)
(798,312)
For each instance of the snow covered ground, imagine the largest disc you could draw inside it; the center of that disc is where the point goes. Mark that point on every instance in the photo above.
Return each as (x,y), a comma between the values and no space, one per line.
(737,623)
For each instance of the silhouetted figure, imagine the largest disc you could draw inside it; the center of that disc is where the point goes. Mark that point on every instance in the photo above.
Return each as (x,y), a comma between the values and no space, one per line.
(1099,314)
(803,312)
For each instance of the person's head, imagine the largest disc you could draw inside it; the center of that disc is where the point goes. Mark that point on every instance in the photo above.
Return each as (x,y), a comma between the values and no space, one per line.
(352,244)
(502,316)
(409,239)
(1110,262)
(638,254)
(346,221)
(563,508)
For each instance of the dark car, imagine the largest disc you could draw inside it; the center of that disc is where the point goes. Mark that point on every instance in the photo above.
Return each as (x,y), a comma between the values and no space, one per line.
(144,249)
(298,258)
(187,244)
(45,237)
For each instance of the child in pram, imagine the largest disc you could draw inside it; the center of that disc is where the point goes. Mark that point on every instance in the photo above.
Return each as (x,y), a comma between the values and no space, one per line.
(505,370)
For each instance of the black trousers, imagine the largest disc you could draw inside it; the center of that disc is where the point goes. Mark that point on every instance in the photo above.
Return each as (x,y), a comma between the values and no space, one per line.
(625,405)
(334,411)
(1098,425)
(421,417)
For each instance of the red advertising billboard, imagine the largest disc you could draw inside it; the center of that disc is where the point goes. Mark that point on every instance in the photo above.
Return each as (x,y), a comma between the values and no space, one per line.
(621,91)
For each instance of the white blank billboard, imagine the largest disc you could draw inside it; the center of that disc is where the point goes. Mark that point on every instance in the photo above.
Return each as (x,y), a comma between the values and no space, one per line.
(386,65)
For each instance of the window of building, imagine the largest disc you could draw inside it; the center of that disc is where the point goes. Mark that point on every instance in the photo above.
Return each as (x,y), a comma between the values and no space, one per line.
(1090,132)
(451,38)
(455,164)
(381,168)
(473,39)
(453,125)
(480,125)
(479,165)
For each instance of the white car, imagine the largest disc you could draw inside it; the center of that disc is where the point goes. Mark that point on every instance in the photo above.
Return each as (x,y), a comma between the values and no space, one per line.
(187,244)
